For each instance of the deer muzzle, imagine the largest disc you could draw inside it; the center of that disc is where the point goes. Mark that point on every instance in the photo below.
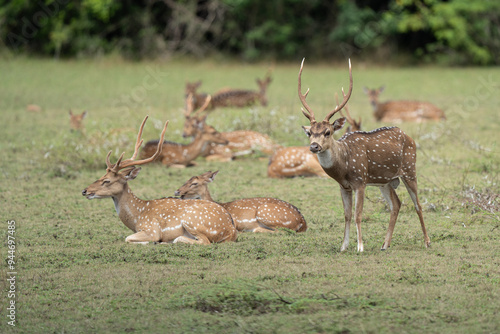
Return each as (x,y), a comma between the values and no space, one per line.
(315,147)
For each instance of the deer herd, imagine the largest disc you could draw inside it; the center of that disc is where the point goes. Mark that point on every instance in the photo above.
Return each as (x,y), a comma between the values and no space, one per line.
(381,157)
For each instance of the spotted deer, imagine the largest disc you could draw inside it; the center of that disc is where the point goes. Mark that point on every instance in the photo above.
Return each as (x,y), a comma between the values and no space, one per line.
(183,155)
(240,142)
(161,220)
(228,97)
(358,159)
(296,161)
(76,120)
(402,111)
(260,214)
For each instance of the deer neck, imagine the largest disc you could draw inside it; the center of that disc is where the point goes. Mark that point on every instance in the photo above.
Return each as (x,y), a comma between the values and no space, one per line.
(193,149)
(128,207)
(334,159)
(206,195)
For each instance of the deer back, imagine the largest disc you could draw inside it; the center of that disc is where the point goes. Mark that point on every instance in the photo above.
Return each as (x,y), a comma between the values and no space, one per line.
(294,161)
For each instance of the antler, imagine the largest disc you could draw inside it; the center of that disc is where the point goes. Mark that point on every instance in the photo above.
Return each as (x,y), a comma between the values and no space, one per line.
(204,106)
(346,98)
(302,97)
(132,162)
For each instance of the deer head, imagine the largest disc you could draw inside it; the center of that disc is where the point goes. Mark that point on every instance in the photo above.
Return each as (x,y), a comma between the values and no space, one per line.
(112,184)
(373,95)
(321,133)
(196,187)
(76,120)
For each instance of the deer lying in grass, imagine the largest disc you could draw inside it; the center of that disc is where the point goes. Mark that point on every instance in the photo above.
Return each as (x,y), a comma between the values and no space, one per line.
(76,120)
(161,220)
(237,98)
(402,111)
(299,160)
(260,214)
(239,142)
(377,158)
(182,155)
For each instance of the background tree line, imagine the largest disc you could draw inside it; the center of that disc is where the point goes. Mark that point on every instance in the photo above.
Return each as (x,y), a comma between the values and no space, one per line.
(454,32)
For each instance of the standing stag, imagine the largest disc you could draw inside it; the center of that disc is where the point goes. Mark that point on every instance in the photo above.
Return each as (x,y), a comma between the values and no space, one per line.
(359,159)
(182,155)
(402,111)
(299,160)
(161,220)
(259,214)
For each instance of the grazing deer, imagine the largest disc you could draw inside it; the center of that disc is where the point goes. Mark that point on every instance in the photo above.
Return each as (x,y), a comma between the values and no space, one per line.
(161,220)
(76,120)
(182,155)
(358,159)
(240,142)
(260,214)
(402,111)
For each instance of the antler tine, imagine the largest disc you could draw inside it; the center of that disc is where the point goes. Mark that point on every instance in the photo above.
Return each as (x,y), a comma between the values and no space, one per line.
(189,105)
(204,106)
(302,97)
(139,140)
(346,108)
(346,98)
(132,162)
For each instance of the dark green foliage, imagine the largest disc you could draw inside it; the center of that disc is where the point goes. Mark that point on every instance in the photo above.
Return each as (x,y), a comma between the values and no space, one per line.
(451,32)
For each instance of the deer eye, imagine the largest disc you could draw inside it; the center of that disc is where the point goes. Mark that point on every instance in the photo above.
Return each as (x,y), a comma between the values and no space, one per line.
(105,182)
(193,184)
(327,133)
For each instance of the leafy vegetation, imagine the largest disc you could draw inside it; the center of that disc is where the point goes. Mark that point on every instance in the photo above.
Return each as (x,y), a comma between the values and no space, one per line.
(452,32)
(77,275)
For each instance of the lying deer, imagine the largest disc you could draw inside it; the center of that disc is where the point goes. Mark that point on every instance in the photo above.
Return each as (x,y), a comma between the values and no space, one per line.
(162,220)
(182,155)
(239,142)
(358,159)
(76,120)
(237,98)
(299,160)
(402,111)
(260,214)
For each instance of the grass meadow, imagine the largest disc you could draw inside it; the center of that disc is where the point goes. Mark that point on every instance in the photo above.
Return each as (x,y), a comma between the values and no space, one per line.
(75,273)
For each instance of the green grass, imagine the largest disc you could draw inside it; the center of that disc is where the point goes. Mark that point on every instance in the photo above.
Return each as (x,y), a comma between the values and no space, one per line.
(77,275)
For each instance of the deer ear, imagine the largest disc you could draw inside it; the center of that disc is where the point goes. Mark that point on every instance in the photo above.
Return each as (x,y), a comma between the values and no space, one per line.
(132,173)
(307,130)
(212,177)
(338,124)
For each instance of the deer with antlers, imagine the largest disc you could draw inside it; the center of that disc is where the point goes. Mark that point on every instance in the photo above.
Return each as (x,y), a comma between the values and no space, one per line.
(240,142)
(296,161)
(358,159)
(76,120)
(161,220)
(259,214)
(182,155)
(402,111)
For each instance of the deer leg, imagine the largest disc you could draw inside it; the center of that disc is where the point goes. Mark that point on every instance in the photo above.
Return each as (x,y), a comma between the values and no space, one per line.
(347,202)
(358,211)
(394,204)
(142,237)
(201,240)
(411,186)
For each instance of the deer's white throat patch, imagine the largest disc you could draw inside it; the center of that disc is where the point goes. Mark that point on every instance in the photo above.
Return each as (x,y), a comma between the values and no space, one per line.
(326,159)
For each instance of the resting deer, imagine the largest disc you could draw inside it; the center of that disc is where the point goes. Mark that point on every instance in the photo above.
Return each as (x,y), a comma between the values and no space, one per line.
(299,160)
(239,142)
(260,214)
(402,111)
(160,220)
(238,98)
(76,120)
(358,159)
(182,155)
